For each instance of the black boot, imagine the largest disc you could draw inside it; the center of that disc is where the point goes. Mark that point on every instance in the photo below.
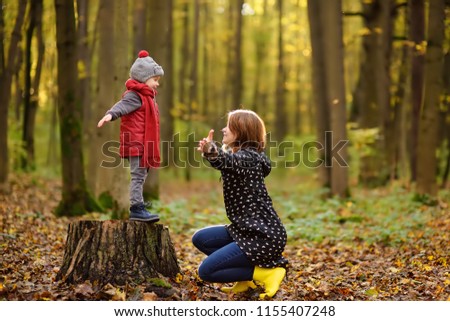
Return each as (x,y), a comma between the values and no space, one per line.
(138,212)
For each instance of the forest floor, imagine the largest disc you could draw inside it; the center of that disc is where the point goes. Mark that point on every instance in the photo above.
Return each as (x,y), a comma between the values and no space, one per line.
(408,263)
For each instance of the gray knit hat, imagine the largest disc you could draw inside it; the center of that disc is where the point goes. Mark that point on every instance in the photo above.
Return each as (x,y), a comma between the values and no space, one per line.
(145,67)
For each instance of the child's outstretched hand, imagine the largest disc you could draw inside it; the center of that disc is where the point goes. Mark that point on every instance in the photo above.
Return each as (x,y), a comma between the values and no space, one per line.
(106,118)
(205,141)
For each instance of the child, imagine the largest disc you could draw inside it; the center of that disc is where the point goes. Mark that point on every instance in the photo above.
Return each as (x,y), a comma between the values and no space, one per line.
(139,129)
(249,249)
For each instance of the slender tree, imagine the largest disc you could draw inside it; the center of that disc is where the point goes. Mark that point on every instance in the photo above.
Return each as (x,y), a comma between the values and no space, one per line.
(281,124)
(75,197)
(371,97)
(7,70)
(332,20)
(416,23)
(183,74)
(158,43)
(85,51)
(193,94)
(262,37)
(109,183)
(236,62)
(383,79)
(328,84)
(320,91)
(206,18)
(31,93)
(139,25)
(160,46)
(120,179)
(100,177)
(446,117)
(428,130)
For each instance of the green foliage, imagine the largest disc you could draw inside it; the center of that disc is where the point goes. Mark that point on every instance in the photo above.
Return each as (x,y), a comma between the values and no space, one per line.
(425,199)
(15,145)
(78,204)
(363,139)
(370,216)
(385,215)
(185,216)
(106,200)
(159,283)
(339,264)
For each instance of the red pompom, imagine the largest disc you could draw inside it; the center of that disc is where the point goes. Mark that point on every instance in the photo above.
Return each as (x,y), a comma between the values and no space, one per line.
(143,53)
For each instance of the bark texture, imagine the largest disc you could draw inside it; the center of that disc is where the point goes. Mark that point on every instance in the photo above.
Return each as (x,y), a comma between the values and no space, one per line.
(117,252)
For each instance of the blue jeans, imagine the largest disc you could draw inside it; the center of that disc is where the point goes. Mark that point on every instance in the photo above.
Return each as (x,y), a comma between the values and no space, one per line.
(225,262)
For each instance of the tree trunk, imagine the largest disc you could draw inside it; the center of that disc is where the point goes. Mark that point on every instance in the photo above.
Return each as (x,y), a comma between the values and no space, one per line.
(334,64)
(6,73)
(446,119)
(446,170)
(160,48)
(100,177)
(121,177)
(428,129)
(261,44)
(139,26)
(183,75)
(117,252)
(75,198)
(383,79)
(85,63)
(32,85)
(399,103)
(320,92)
(300,66)
(193,94)
(110,183)
(236,62)
(417,36)
(205,68)
(281,124)
(366,109)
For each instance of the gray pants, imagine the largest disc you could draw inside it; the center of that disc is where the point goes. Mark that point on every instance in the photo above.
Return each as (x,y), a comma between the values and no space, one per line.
(138,177)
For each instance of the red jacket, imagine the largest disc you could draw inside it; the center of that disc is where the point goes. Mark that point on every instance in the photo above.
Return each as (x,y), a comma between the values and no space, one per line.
(139,130)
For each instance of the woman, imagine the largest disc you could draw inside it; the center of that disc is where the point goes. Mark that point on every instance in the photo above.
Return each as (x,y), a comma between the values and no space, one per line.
(249,249)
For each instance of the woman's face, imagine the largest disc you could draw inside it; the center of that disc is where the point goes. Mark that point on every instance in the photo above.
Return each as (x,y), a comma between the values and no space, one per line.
(228,136)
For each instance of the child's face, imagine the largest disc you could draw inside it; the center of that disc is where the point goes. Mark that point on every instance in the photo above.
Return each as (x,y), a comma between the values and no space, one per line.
(228,136)
(153,82)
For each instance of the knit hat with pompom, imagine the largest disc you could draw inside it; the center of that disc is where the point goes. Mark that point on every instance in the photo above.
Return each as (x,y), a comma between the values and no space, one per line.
(145,67)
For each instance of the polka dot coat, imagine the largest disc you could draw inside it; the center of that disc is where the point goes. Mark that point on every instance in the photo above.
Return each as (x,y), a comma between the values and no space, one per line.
(255,226)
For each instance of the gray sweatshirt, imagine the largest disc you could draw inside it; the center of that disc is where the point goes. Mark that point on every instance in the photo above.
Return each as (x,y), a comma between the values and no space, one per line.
(129,103)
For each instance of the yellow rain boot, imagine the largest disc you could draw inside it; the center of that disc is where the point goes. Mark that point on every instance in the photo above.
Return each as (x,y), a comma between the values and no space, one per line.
(270,279)
(240,286)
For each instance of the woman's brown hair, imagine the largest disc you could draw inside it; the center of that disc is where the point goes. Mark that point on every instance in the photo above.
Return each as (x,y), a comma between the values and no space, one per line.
(248,128)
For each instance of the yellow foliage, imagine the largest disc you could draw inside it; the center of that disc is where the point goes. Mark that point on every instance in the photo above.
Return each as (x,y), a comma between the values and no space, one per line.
(82,72)
(364,32)
(120,295)
(179,278)
(378,30)
(427,268)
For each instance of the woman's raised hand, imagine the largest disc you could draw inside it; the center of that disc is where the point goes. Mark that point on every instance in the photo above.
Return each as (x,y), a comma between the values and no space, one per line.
(206,140)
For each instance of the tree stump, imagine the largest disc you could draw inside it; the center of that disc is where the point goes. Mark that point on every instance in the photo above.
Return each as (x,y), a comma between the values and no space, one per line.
(117,252)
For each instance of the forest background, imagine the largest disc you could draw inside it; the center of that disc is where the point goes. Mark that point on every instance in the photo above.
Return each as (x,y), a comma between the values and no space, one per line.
(355,96)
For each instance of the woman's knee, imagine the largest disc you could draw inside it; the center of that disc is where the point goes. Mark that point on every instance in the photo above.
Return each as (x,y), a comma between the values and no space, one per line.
(204,272)
(198,239)
(207,234)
